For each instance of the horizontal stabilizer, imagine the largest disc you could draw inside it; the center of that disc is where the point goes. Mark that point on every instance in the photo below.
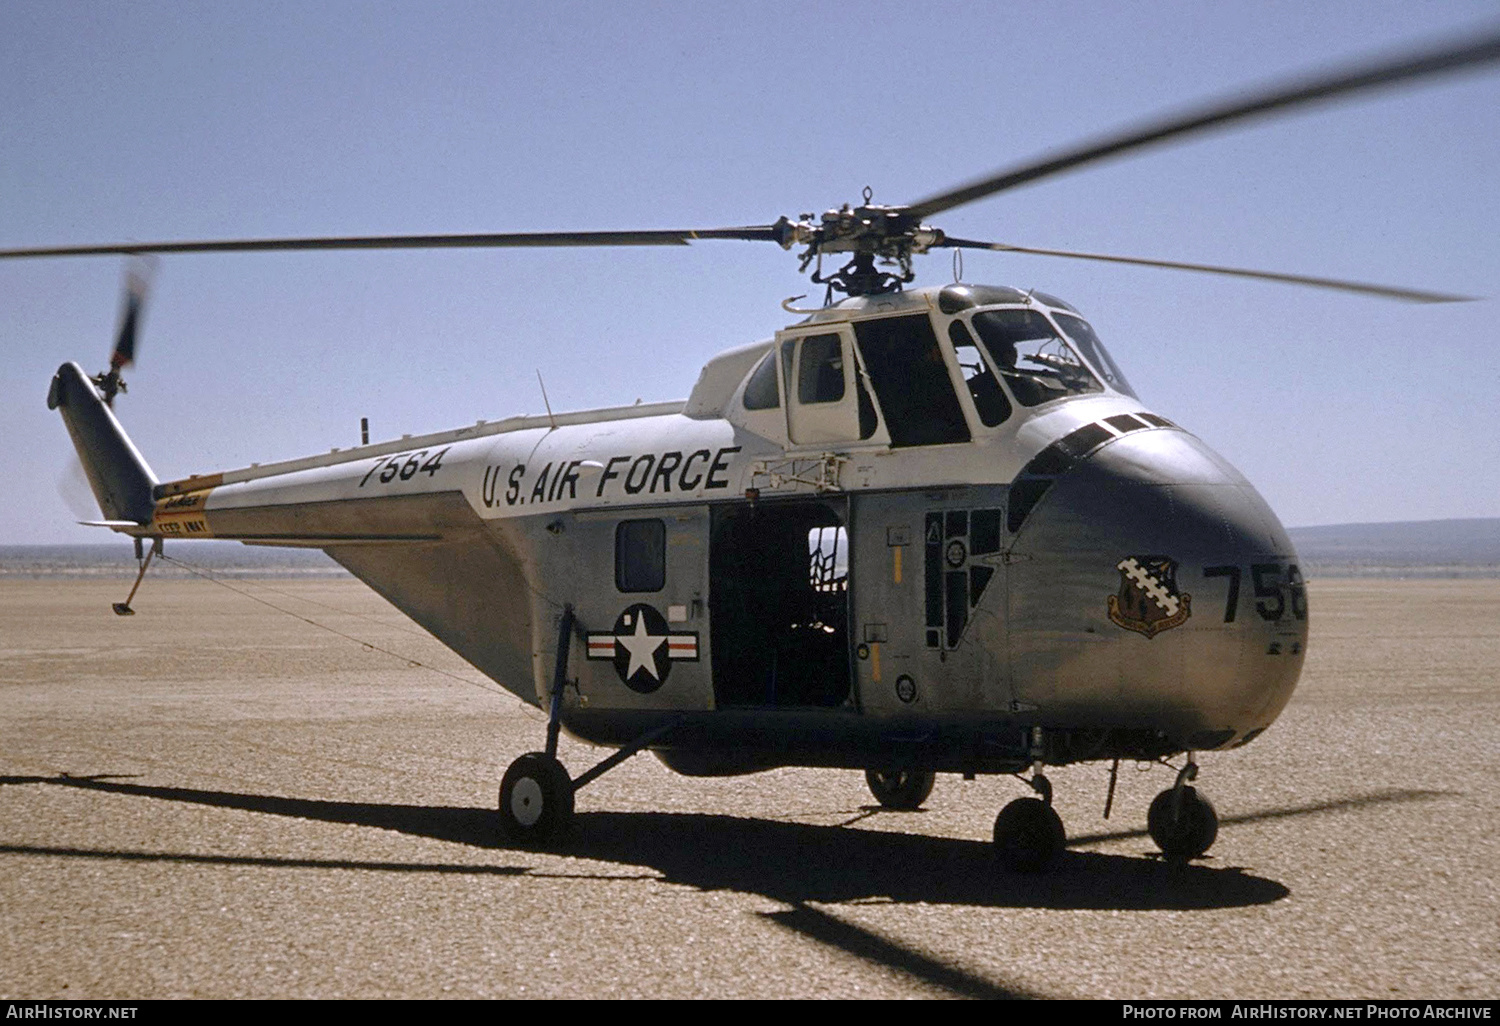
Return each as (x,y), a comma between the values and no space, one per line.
(320,541)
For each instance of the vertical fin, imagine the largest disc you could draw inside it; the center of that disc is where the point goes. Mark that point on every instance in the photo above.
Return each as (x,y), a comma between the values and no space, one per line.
(122,482)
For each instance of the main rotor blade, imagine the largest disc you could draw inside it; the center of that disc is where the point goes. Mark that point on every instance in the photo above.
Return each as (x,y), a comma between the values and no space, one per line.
(1302,91)
(756,233)
(1363,288)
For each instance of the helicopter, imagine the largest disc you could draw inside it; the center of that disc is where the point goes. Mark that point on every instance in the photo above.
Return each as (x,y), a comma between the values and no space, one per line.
(919,530)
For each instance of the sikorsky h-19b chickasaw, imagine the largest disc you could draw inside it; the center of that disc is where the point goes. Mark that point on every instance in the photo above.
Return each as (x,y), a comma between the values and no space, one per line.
(920,531)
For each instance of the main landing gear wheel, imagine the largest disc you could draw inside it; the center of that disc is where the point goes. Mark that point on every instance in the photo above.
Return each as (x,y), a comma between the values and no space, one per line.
(1028,835)
(1183,823)
(536,799)
(900,789)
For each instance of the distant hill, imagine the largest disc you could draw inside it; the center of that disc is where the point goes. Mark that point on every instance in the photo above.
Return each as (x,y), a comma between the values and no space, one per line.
(1415,548)
(117,559)
(1421,548)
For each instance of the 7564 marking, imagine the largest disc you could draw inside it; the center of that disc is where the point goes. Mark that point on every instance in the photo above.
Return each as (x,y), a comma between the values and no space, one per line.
(404,466)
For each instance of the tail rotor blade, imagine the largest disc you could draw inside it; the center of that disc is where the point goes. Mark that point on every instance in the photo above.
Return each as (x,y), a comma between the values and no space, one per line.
(138,274)
(73,488)
(137,285)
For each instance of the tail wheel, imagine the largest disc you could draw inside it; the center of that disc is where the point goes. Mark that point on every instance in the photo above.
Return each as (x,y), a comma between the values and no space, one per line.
(1028,835)
(536,799)
(900,789)
(1184,825)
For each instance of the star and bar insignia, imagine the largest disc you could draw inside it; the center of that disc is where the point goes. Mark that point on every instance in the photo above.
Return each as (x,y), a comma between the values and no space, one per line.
(642,648)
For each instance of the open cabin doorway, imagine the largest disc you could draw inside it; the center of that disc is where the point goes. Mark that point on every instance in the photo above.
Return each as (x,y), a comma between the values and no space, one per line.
(779,597)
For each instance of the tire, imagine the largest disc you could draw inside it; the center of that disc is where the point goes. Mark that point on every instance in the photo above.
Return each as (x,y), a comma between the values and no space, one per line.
(536,799)
(1193,830)
(900,789)
(1029,835)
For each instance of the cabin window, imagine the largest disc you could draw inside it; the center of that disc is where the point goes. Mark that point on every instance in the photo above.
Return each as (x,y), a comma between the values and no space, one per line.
(761,392)
(640,555)
(1037,365)
(828,559)
(984,388)
(911,381)
(827,399)
(1084,338)
(820,370)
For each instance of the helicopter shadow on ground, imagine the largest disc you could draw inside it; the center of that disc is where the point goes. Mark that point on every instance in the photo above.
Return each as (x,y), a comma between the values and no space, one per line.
(800,865)
(785,861)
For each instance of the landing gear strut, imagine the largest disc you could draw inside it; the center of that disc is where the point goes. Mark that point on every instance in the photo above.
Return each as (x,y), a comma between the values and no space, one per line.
(1181,820)
(1028,832)
(536,793)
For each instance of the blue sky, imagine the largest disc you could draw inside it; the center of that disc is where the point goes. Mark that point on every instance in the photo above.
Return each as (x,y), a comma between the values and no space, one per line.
(152,121)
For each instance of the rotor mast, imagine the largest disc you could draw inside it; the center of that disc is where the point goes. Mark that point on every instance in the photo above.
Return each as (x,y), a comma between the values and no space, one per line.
(871,232)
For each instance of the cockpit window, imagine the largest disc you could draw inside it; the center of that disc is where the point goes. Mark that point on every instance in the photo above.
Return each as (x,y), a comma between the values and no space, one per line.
(1083,336)
(910,378)
(1052,301)
(989,401)
(1036,363)
(761,392)
(820,371)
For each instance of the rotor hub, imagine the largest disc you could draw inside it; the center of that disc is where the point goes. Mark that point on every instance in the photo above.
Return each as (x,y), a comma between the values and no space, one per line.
(871,232)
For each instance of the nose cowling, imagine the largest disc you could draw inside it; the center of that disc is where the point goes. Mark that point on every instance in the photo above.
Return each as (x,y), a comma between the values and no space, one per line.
(1151,587)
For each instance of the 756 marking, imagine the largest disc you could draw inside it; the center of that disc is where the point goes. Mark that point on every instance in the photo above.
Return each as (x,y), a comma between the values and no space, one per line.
(405,466)
(1279,589)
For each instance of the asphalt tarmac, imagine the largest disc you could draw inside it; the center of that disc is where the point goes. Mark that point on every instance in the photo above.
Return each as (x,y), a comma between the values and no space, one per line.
(215,798)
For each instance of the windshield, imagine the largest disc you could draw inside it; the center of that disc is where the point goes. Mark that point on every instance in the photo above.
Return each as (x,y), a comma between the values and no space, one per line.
(984,388)
(1033,359)
(1083,335)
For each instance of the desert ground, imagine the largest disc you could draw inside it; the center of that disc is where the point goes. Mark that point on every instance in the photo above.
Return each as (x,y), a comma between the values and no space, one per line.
(217,798)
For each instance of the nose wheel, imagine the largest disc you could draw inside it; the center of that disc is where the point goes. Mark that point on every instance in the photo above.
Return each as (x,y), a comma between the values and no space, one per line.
(1029,833)
(1181,820)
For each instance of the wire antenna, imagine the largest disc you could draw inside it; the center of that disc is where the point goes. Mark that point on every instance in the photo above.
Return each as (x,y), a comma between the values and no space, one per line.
(550,418)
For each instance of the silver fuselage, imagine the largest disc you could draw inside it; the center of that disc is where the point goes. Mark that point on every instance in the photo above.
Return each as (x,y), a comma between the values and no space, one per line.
(1082,579)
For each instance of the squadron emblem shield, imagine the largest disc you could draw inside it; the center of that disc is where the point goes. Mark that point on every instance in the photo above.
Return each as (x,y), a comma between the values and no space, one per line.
(1148,601)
